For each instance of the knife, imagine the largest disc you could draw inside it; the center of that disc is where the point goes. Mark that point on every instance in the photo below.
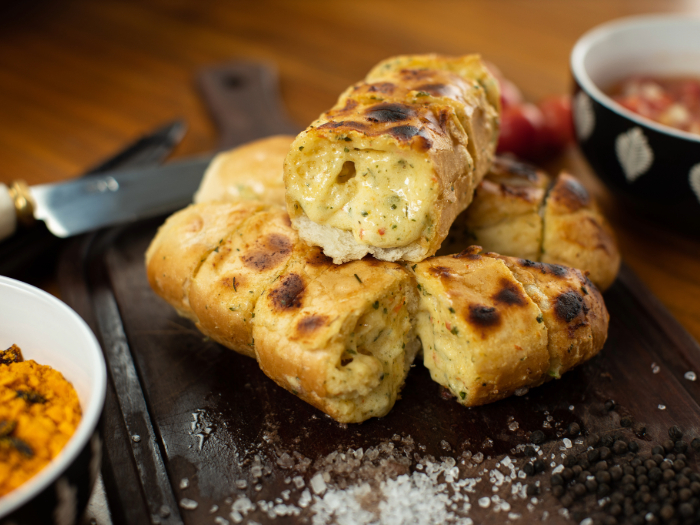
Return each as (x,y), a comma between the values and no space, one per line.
(23,250)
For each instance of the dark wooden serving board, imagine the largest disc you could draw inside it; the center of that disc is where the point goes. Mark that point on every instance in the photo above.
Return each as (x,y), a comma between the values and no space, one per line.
(180,407)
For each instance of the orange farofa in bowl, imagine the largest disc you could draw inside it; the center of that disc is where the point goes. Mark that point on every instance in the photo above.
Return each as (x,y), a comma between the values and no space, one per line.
(39,412)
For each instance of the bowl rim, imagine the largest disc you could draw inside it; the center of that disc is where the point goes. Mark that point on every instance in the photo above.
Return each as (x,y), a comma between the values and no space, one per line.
(584,44)
(90,417)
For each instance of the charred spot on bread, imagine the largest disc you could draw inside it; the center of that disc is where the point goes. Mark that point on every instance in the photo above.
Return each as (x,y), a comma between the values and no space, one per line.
(310,324)
(318,258)
(288,295)
(545,268)
(570,193)
(514,167)
(439,90)
(441,271)
(417,74)
(350,104)
(386,88)
(403,132)
(483,316)
(509,294)
(269,252)
(471,253)
(346,124)
(568,305)
(390,112)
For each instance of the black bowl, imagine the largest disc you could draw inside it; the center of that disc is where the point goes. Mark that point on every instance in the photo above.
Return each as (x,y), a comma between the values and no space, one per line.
(652,167)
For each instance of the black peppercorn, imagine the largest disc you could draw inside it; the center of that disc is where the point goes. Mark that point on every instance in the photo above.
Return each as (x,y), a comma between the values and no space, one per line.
(592,440)
(686,510)
(556,479)
(603,490)
(675,433)
(579,489)
(529,469)
(530,451)
(668,445)
(592,485)
(619,447)
(568,474)
(616,472)
(678,465)
(615,509)
(532,490)
(633,446)
(593,455)
(655,474)
(601,465)
(603,476)
(604,452)
(680,446)
(609,405)
(607,440)
(567,500)
(626,422)
(557,491)
(539,465)
(668,475)
(695,487)
(617,497)
(695,443)
(657,450)
(569,460)
(667,512)
(685,494)
(628,489)
(574,429)
(537,437)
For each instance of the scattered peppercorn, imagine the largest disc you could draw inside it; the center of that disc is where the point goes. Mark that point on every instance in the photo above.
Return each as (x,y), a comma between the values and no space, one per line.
(537,437)
(626,422)
(574,429)
(675,433)
(609,405)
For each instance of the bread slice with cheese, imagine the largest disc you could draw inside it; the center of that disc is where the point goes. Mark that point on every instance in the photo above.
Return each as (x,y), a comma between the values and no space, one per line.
(339,336)
(389,167)
(491,325)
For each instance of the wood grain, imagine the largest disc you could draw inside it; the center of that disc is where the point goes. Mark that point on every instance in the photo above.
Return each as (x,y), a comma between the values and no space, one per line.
(79,79)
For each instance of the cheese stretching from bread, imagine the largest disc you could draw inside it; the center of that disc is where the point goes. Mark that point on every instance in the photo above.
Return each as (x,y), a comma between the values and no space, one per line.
(339,337)
(491,325)
(391,165)
(518,210)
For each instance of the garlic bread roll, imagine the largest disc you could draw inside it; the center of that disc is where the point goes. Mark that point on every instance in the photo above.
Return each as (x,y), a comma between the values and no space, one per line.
(517,210)
(252,171)
(391,165)
(339,336)
(183,243)
(231,279)
(482,335)
(492,324)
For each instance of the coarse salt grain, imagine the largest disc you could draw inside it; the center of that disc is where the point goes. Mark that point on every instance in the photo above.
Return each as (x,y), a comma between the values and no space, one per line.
(484,502)
(318,484)
(662,407)
(188,504)
(655,369)
(567,442)
(690,376)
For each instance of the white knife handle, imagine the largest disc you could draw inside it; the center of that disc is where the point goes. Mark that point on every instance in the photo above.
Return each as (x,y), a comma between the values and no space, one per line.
(8,215)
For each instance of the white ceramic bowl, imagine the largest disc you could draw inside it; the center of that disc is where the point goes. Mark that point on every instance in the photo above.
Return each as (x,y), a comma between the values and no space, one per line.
(653,167)
(51,333)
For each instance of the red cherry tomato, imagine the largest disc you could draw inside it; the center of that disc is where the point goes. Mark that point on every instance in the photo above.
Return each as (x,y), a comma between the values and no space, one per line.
(522,126)
(558,125)
(510,94)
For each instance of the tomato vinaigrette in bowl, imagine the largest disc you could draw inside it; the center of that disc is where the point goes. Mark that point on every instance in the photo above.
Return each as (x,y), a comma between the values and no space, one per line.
(672,101)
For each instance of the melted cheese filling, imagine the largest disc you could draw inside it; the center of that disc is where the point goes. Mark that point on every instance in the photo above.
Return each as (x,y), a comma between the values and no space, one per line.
(386,199)
(377,355)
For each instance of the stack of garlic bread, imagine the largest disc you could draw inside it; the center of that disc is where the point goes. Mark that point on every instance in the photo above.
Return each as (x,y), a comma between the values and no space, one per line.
(341,329)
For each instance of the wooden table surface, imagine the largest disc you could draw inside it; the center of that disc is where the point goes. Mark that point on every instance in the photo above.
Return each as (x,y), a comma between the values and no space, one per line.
(79,79)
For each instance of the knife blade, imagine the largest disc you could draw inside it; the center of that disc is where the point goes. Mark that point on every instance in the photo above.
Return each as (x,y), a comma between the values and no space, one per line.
(80,205)
(27,250)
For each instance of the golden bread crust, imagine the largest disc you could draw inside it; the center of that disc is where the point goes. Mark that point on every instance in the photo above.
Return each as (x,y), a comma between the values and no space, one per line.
(232,278)
(184,242)
(577,234)
(252,171)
